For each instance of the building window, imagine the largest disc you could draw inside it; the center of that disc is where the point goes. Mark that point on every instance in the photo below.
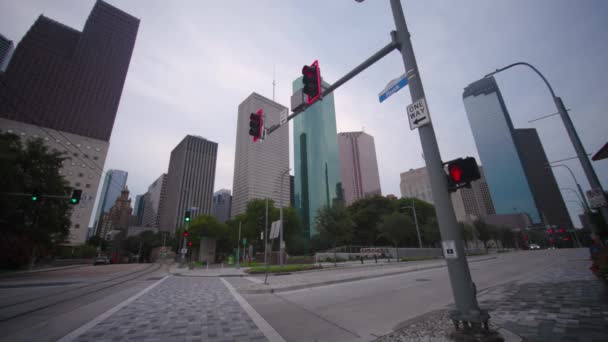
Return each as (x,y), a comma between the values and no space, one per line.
(70,173)
(86,156)
(81,174)
(77,226)
(73,164)
(95,157)
(69,143)
(90,177)
(57,140)
(87,186)
(88,147)
(75,154)
(77,145)
(97,149)
(77,184)
(83,165)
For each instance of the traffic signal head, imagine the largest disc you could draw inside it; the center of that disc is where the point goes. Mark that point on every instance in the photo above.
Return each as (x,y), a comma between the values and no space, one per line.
(461,172)
(35,196)
(186,234)
(76,194)
(311,77)
(187,216)
(256,124)
(189,243)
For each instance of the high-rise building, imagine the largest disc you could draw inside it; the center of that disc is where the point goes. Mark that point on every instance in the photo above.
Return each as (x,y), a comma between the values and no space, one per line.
(138,210)
(118,217)
(258,167)
(64,86)
(476,200)
(6,51)
(317,167)
(358,166)
(190,181)
(113,184)
(513,160)
(415,183)
(292,202)
(154,200)
(545,190)
(222,201)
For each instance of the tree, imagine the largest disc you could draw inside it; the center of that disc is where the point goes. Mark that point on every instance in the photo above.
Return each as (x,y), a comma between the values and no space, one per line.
(30,228)
(334,224)
(430,232)
(98,242)
(397,228)
(366,214)
(484,232)
(467,232)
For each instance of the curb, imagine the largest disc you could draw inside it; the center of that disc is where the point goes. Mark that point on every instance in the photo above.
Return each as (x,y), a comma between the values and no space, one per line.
(339,281)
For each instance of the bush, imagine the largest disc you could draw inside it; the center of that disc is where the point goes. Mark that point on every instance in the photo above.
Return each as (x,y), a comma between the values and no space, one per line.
(281,269)
(420,258)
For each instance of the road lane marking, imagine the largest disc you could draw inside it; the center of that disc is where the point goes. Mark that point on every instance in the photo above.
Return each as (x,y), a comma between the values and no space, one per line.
(268,331)
(74,334)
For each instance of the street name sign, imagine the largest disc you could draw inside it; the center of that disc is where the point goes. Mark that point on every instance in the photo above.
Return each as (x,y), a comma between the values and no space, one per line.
(418,114)
(274,229)
(449,249)
(393,87)
(596,198)
(283,116)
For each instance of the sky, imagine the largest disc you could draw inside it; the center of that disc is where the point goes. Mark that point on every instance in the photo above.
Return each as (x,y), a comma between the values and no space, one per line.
(195,61)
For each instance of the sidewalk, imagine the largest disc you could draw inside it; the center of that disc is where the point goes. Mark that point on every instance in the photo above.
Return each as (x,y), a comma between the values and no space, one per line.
(327,276)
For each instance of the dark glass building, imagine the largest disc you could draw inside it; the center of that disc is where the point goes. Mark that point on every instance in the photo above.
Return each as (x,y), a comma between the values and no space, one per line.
(69,80)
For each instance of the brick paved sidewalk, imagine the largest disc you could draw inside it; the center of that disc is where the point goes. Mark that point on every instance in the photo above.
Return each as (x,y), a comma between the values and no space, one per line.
(564,303)
(179,309)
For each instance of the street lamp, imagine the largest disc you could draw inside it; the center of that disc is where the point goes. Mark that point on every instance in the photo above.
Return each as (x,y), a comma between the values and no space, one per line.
(576,193)
(594,182)
(578,185)
(413,207)
(282,239)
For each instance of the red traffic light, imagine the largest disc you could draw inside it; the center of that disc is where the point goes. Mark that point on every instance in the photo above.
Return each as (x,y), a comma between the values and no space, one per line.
(455,173)
(186,234)
(550,231)
(189,243)
(311,78)
(566,239)
(561,230)
(256,125)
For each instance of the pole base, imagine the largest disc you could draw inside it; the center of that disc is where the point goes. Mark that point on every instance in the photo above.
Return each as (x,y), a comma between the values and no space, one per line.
(473,327)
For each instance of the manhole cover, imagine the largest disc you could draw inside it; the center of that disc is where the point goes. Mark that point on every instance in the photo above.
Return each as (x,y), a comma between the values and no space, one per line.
(155,278)
(423,279)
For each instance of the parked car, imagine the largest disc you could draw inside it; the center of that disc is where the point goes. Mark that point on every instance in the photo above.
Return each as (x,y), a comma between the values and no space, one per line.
(101,260)
(534,246)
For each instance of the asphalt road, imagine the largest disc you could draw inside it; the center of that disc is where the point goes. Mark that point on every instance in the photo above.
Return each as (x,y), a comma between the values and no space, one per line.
(44,306)
(369,308)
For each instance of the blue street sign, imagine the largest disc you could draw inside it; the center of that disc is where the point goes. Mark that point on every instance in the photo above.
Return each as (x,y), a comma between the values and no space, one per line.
(392,87)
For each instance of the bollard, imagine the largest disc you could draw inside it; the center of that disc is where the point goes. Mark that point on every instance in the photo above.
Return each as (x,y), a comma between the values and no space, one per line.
(376,258)
(361,257)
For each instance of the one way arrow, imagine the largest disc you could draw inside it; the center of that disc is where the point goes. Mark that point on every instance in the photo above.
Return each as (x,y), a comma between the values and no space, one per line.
(419,120)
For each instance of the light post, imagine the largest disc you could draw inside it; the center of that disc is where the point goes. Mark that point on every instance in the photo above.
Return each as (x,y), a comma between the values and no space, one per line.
(282,239)
(594,182)
(578,185)
(577,196)
(413,207)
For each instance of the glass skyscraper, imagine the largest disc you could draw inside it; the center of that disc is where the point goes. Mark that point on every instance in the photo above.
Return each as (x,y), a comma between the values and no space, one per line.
(114,182)
(494,136)
(317,167)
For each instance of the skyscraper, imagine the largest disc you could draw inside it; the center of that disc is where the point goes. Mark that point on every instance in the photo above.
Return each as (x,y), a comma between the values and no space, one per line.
(493,133)
(154,201)
(317,167)
(189,181)
(113,184)
(6,51)
(545,190)
(258,166)
(118,217)
(138,210)
(222,202)
(358,166)
(64,86)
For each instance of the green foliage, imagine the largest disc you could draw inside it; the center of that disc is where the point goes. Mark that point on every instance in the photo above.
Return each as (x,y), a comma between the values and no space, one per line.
(430,232)
(30,227)
(398,229)
(281,269)
(334,224)
(484,231)
(366,214)
(98,241)
(206,226)
(147,240)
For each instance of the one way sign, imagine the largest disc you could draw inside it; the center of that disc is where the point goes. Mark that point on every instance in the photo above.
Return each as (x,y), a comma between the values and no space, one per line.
(418,114)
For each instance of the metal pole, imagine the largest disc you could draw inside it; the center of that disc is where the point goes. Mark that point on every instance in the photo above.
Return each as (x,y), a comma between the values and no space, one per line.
(463,288)
(282,239)
(416,222)
(266,235)
(238,248)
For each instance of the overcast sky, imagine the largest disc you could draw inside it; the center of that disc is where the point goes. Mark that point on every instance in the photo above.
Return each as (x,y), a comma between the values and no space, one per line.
(195,61)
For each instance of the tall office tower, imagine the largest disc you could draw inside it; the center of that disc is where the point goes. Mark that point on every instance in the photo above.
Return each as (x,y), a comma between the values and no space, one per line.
(545,190)
(222,202)
(358,166)
(508,157)
(6,51)
(477,200)
(189,181)
(64,86)
(154,200)
(259,167)
(317,167)
(113,184)
(292,202)
(138,210)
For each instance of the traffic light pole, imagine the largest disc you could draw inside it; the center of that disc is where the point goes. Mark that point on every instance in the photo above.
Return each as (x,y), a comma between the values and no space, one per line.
(184,245)
(463,288)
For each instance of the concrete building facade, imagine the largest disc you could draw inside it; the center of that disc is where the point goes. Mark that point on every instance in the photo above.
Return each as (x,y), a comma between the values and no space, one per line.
(190,181)
(358,166)
(6,51)
(154,200)
(64,86)
(222,202)
(258,166)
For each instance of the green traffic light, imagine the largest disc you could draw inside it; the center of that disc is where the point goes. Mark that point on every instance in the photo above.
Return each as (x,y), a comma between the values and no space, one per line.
(34,198)
(187,219)
(74,200)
